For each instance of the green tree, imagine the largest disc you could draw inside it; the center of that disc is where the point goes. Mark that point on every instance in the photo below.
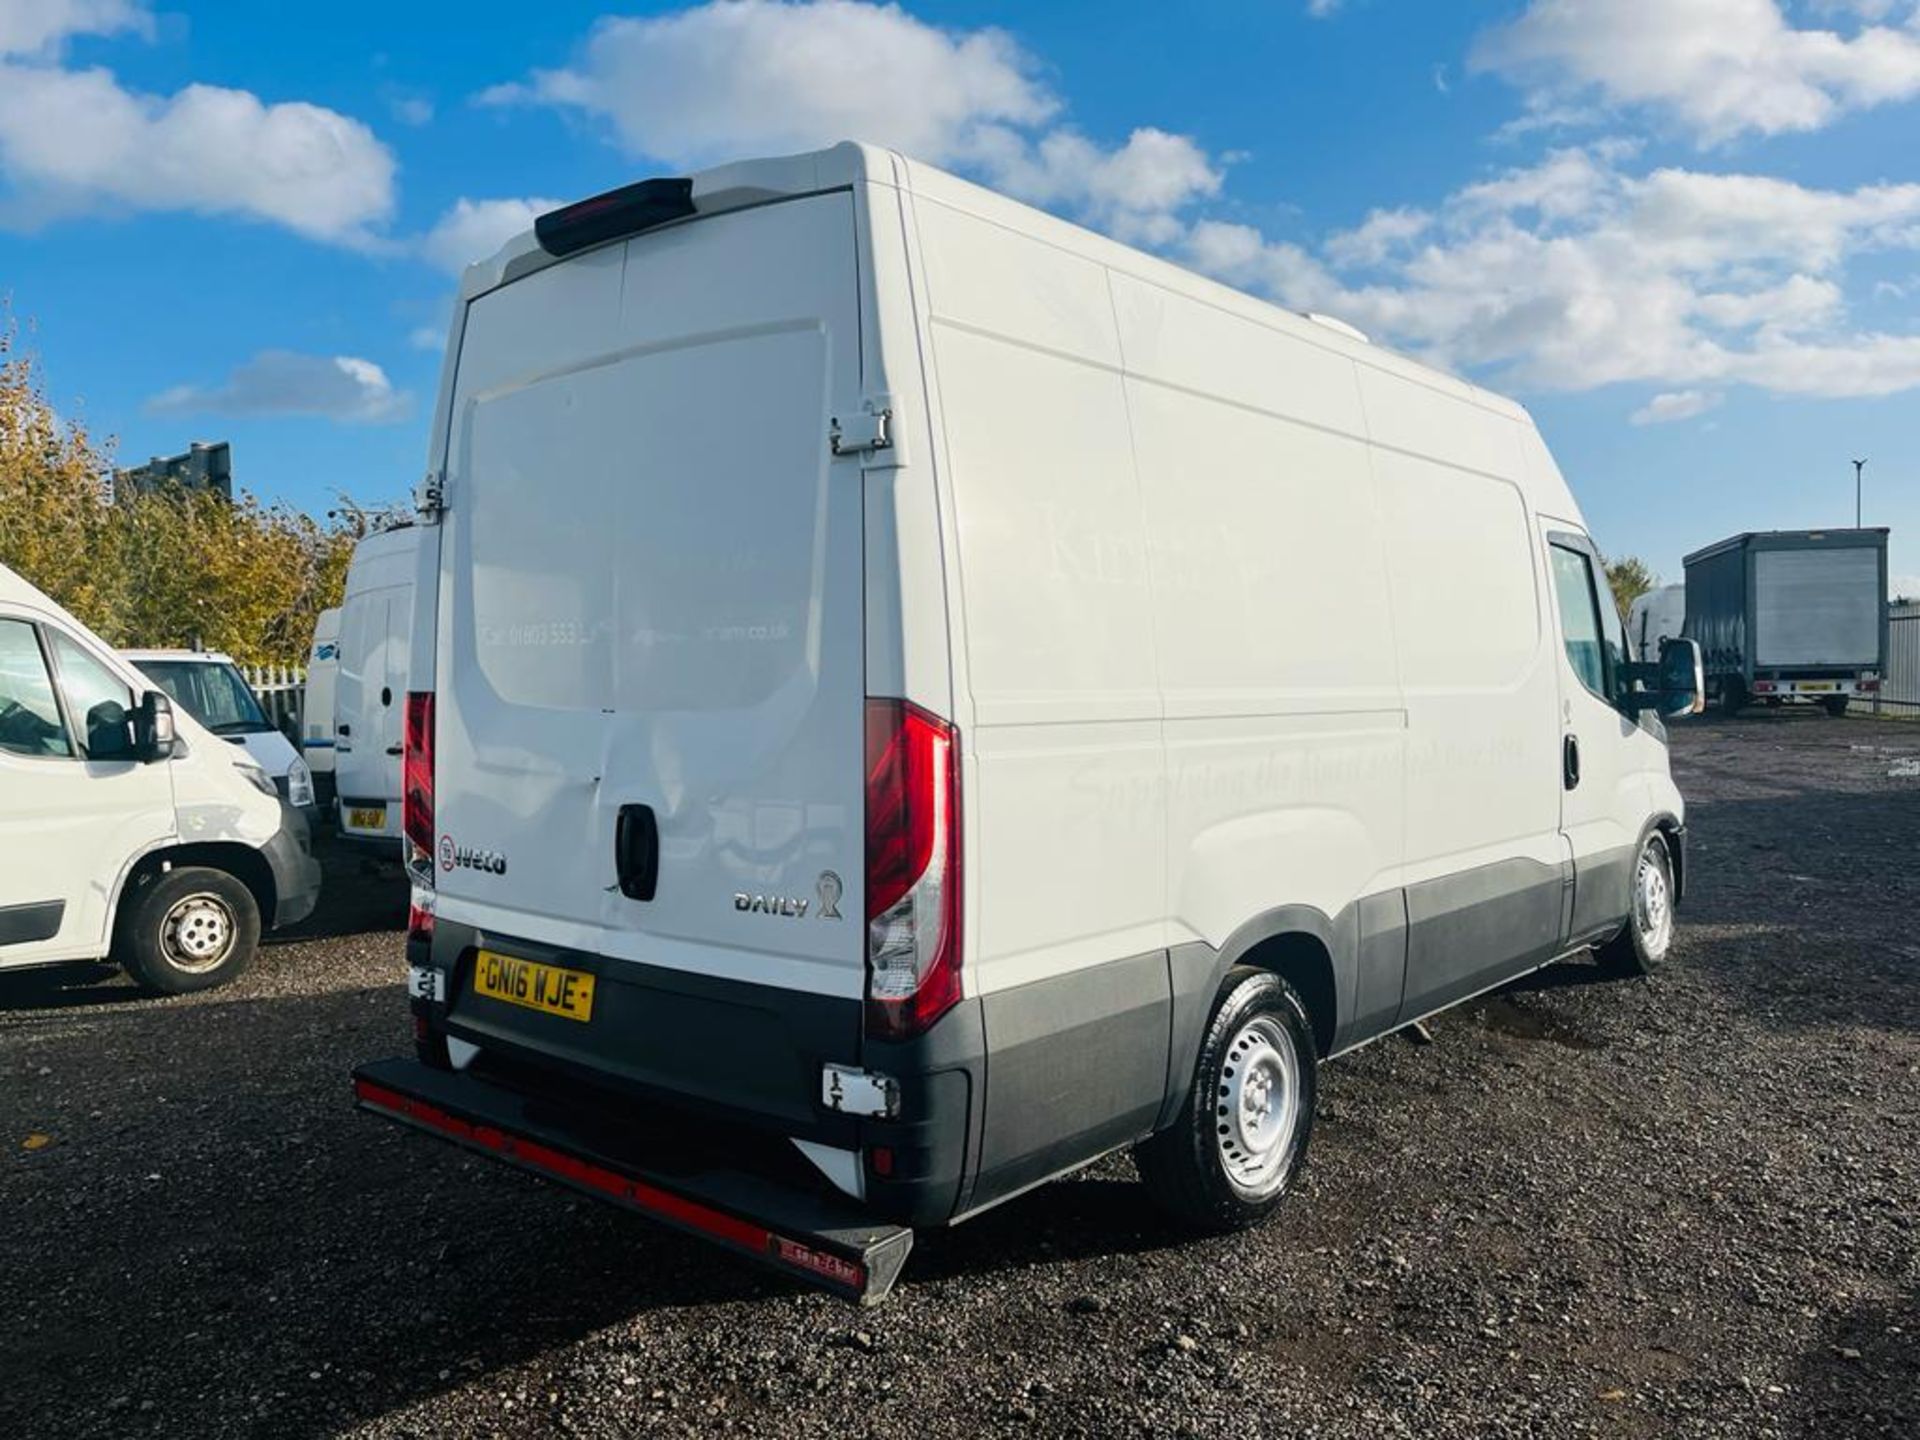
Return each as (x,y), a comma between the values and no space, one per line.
(1630,577)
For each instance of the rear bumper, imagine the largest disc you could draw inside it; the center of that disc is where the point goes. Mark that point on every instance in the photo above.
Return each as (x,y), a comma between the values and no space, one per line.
(733,1056)
(621,1154)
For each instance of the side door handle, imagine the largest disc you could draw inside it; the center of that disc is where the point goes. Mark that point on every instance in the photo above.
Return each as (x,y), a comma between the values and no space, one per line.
(1570,761)
(394,750)
(636,851)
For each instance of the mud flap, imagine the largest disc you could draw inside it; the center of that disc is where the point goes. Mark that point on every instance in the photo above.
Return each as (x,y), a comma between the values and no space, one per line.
(814,1234)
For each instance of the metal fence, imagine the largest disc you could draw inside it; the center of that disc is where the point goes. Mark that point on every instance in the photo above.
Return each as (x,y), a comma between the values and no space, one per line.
(283,694)
(1900,686)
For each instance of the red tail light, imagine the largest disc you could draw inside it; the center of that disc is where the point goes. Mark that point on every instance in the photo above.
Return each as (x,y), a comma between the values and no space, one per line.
(913,869)
(416,786)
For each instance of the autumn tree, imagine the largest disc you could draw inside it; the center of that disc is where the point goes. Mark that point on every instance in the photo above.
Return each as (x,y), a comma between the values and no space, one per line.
(163,567)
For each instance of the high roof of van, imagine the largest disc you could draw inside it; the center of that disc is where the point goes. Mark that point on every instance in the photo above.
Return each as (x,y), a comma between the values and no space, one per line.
(207,657)
(756,182)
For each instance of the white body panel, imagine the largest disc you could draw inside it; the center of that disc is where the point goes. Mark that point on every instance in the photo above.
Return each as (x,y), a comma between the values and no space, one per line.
(73,826)
(323,669)
(1660,614)
(370,685)
(1231,610)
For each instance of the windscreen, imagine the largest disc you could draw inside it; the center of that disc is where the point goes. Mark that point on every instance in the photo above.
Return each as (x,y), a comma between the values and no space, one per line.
(213,694)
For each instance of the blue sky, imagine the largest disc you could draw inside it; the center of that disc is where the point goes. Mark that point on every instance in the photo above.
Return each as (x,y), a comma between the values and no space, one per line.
(1685,232)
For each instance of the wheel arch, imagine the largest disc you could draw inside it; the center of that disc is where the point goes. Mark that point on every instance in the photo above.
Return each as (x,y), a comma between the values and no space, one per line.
(1297,942)
(243,862)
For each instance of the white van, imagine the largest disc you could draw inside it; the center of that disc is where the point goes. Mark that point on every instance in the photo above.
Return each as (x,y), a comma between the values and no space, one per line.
(916,686)
(316,704)
(128,830)
(1660,614)
(209,687)
(370,685)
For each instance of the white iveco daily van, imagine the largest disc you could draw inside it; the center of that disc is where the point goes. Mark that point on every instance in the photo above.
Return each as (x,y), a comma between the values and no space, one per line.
(370,684)
(917,696)
(127,829)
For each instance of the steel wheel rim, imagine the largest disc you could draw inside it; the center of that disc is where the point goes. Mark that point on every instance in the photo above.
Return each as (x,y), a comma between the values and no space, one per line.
(1653,902)
(1257,1107)
(197,934)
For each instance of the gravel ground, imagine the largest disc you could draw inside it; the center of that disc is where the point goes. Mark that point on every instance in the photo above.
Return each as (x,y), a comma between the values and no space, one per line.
(1678,1207)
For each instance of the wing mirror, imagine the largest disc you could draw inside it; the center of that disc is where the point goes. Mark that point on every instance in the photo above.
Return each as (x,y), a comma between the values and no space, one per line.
(1677,683)
(153,729)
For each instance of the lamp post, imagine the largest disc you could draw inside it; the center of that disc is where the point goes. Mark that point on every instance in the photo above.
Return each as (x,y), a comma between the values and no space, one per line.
(1858,466)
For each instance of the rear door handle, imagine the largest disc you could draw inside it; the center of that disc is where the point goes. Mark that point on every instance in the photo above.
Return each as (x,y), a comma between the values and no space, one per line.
(1570,761)
(636,851)
(393,750)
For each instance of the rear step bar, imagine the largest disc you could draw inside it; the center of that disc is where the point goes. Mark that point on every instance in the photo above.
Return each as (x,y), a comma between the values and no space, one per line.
(821,1238)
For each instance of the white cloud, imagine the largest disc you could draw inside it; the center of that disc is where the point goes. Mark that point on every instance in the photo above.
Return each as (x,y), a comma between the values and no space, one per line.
(1575,273)
(743,77)
(282,382)
(40,27)
(1323,9)
(1717,68)
(1675,405)
(1383,233)
(473,229)
(77,141)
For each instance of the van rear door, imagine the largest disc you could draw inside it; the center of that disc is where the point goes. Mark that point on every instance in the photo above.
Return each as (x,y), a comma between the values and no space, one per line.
(650,621)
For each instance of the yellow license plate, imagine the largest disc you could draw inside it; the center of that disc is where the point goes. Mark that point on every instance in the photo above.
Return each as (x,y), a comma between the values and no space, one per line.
(1816,685)
(550,989)
(370,817)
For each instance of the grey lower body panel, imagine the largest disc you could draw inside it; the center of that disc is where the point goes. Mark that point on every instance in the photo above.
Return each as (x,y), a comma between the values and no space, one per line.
(1076,1065)
(37,920)
(1468,931)
(296,873)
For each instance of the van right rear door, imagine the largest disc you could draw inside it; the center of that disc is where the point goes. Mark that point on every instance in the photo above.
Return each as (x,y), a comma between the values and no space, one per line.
(650,616)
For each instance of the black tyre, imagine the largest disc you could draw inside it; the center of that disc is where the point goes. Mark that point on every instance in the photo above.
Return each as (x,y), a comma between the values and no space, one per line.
(1235,1150)
(1733,697)
(190,928)
(1640,948)
(1836,706)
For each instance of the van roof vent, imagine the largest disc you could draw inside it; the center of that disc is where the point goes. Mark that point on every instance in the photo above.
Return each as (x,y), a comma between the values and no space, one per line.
(1352,332)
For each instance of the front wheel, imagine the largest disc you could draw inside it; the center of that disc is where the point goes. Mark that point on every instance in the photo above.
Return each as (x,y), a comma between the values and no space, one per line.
(1643,944)
(1237,1146)
(1836,706)
(190,928)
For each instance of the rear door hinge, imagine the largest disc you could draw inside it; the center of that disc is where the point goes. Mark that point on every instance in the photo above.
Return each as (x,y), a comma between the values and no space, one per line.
(430,495)
(860,434)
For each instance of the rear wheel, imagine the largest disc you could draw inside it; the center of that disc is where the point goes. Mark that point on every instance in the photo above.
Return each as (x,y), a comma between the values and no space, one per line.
(187,929)
(1643,944)
(1733,697)
(1232,1155)
(1836,705)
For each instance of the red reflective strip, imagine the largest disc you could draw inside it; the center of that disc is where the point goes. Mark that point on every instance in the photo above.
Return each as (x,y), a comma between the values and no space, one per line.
(649,1199)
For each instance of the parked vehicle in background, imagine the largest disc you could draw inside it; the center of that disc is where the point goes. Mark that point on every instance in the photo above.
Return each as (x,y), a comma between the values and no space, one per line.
(316,705)
(922,782)
(370,686)
(210,687)
(1791,615)
(1660,614)
(129,830)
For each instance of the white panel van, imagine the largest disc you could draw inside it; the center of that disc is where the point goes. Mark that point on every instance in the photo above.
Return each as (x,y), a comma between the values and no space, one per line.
(129,831)
(316,705)
(370,683)
(915,696)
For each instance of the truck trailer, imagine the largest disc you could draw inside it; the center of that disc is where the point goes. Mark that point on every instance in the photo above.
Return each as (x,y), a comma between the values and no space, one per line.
(1791,615)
